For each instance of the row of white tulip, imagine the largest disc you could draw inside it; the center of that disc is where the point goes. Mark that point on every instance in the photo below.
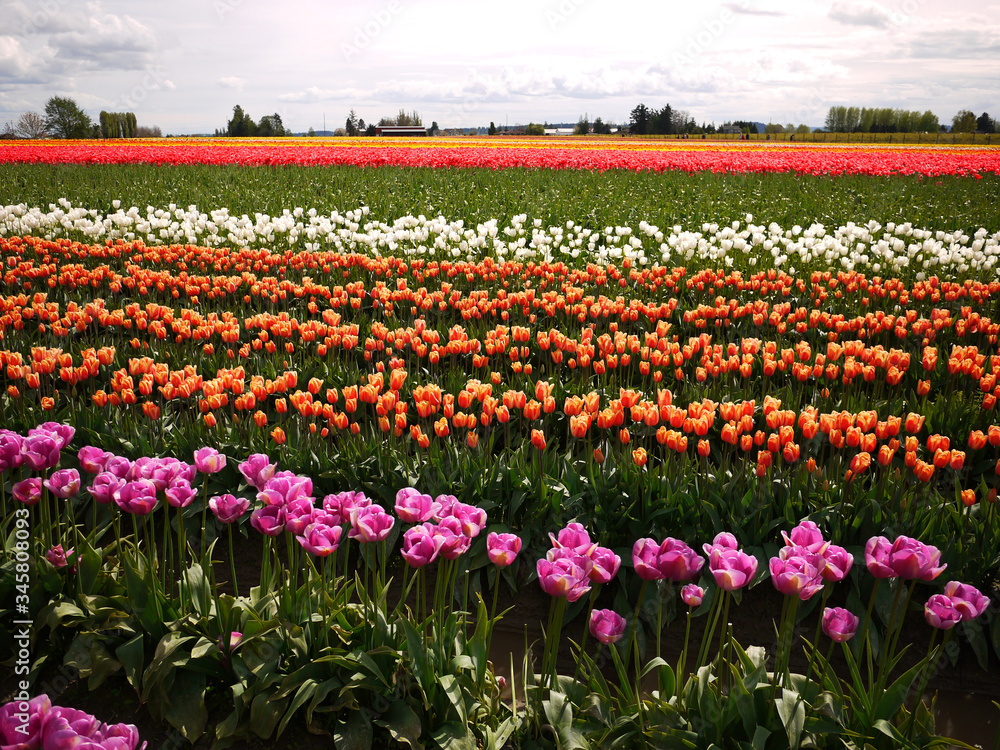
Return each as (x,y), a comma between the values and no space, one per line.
(870,247)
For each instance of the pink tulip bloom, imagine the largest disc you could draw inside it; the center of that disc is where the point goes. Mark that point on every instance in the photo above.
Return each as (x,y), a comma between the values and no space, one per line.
(798,575)
(808,535)
(412,506)
(502,549)
(104,486)
(284,487)
(299,514)
(137,497)
(227,508)
(58,557)
(64,483)
(320,540)
(472,519)
(11,450)
(119,466)
(940,612)
(340,504)
(838,563)
(967,600)
(692,595)
(677,561)
(732,568)
(41,451)
(370,524)
(574,537)
(723,540)
(28,491)
(93,460)
(257,470)
(645,553)
(63,433)
(209,461)
(269,520)
(422,544)
(839,624)
(563,573)
(18,734)
(235,638)
(877,557)
(446,502)
(607,626)
(606,565)
(180,494)
(910,559)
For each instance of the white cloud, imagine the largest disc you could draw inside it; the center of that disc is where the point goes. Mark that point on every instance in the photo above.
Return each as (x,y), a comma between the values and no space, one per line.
(861,14)
(231,82)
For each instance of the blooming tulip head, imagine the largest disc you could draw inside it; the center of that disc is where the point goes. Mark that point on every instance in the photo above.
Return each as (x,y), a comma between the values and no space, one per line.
(11,447)
(285,487)
(798,574)
(677,561)
(180,494)
(320,540)
(41,451)
(607,626)
(807,535)
(137,497)
(257,470)
(564,573)
(412,506)
(370,524)
(102,489)
(838,563)
(119,466)
(17,733)
(93,460)
(28,491)
(59,557)
(227,508)
(912,559)
(732,568)
(502,549)
(455,543)
(573,537)
(269,520)
(422,544)
(209,461)
(471,518)
(299,514)
(340,504)
(877,557)
(967,600)
(692,595)
(606,565)
(839,624)
(644,559)
(940,612)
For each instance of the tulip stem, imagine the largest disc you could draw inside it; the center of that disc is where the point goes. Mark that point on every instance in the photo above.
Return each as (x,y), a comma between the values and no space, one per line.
(232,563)
(684,652)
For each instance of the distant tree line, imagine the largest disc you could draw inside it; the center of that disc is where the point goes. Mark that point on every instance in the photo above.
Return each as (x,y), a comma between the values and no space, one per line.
(880,120)
(242,125)
(64,118)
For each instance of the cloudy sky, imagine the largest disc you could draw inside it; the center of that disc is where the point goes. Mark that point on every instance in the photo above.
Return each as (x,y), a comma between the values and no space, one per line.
(182,65)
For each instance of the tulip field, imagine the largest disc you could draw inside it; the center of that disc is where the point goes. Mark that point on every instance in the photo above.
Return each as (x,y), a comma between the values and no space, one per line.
(659,385)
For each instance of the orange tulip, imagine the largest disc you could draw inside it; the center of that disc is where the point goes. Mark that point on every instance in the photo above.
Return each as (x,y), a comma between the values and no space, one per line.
(639,457)
(538,439)
(278,435)
(968,498)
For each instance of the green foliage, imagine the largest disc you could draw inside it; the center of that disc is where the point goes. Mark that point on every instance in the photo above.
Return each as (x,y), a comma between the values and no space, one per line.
(65,119)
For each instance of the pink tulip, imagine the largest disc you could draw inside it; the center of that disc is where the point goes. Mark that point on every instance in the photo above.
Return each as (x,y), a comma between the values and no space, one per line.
(677,561)
(320,540)
(58,557)
(723,540)
(412,506)
(269,520)
(799,574)
(28,491)
(370,524)
(11,450)
(228,509)
(575,538)
(606,565)
(422,544)
(209,461)
(93,460)
(104,487)
(839,624)
(446,502)
(808,535)
(472,519)
(910,559)
(940,612)
(645,553)
(455,542)
(63,433)
(967,600)
(285,487)
(137,497)
(119,466)
(502,549)
(877,557)
(732,568)
(564,573)
(41,451)
(299,514)
(257,470)
(180,494)
(692,595)
(838,563)
(235,638)
(19,734)
(607,626)
(340,504)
